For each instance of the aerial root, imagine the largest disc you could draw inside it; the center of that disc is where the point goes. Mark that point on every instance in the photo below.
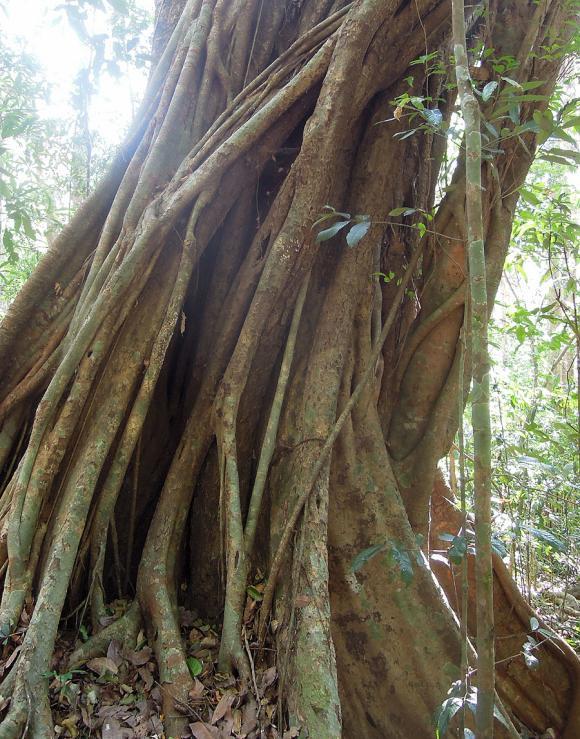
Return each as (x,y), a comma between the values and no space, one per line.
(165,637)
(30,705)
(125,630)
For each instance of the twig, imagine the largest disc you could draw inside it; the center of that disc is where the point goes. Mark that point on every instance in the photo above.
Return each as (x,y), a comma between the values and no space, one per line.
(253,671)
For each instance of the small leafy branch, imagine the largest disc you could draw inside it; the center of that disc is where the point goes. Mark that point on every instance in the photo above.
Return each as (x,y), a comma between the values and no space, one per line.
(508,96)
(459,701)
(359,226)
(397,554)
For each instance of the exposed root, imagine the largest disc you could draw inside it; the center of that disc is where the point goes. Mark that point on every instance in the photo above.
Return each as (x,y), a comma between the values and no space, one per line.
(176,301)
(124,629)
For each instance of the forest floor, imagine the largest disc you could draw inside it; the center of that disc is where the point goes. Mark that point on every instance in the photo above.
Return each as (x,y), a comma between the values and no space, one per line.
(118,696)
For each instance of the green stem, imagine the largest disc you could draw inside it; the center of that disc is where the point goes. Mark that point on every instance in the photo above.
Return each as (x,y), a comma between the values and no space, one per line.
(480,390)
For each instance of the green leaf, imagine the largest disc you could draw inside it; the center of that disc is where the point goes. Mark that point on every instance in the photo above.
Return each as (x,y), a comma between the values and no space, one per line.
(28,230)
(547,537)
(402,559)
(532,84)
(9,244)
(254,593)
(405,134)
(434,116)
(423,59)
(195,666)
(514,113)
(446,537)
(488,90)
(529,197)
(365,556)
(498,546)
(357,232)
(512,82)
(448,709)
(331,213)
(457,550)
(491,129)
(534,623)
(560,133)
(328,233)
(531,661)
(567,153)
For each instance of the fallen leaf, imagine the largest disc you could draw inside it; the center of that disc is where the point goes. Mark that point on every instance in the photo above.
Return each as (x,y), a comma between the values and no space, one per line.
(147,677)
(70,724)
(114,652)
(138,658)
(237,727)
(196,693)
(112,729)
(268,678)
(12,657)
(222,707)
(100,665)
(250,718)
(203,731)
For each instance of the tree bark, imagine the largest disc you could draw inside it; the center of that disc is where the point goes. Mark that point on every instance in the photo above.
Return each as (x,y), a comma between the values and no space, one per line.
(161,349)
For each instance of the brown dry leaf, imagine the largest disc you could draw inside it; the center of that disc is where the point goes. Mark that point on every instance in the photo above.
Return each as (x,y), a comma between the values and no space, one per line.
(112,729)
(157,725)
(250,718)
(203,731)
(12,657)
(142,730)
(195,635)
(237,727)
(86,717)
(268,678)
(196,693)
(101,664)
(147,677)
(114,652)
(209,642)
(222,707)
(398,112)
(138,658)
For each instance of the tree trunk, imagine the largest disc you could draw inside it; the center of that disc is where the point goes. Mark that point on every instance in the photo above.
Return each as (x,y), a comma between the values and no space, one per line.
(173,372)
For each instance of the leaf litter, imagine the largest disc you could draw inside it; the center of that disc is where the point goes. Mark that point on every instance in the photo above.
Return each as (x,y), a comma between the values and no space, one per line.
(117,695)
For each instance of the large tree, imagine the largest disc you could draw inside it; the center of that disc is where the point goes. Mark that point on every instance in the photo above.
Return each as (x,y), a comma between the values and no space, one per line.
(195,387)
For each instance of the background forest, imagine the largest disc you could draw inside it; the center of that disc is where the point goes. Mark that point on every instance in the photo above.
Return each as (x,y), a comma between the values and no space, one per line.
(50,162)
